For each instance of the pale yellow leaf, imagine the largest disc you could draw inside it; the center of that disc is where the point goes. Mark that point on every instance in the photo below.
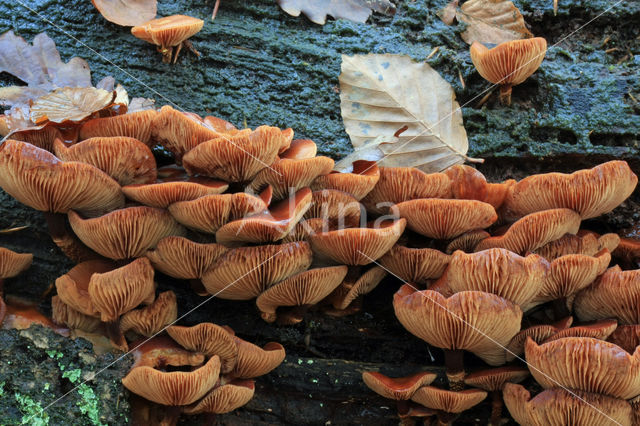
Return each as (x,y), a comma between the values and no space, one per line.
(70,103)
(492,22)
(353,10)
(128,13)
(448,13)
(401,113)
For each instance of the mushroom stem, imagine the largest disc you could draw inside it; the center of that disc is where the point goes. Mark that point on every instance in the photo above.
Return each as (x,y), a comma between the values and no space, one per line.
(454,363)
(505,94)
(560,309)
(3,309)
(445,419)
(116,336)
(66,240)
(496,408)
(167,53)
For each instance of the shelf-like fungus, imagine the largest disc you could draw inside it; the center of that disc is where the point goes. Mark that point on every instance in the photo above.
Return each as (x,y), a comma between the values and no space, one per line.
(168,33)
(509,63)
(361,179)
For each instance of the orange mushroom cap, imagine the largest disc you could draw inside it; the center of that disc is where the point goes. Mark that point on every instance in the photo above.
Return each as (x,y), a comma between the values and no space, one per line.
(237,158)
(448,401)
(398,184)
(445,219)
(254,361)
(12,263)
(161,351)
(478,322)
(163,194)
(586,364)
(589,192)
(207,214)
(534,231)
(125,233)
(126,160)
(468,183)
(305,288)
(179,132)
(63,314)
(468,241)
(559,406)
(42,138)
(358,246)
(627,337)
(181,258)
(401,388)
(569,244)
(300,149)
(539,333)
(244,273)
(359,182)
(356,284)
(269,226)
(509,63)
(615,294)
(220,125)
(335,206)
(151,319)
(224,399)
(73,287)
(415,265)
(209,339)
(168,31)
(38,179)
(135,125)
(173,388)
(496,378)
(599,330)
(287,175)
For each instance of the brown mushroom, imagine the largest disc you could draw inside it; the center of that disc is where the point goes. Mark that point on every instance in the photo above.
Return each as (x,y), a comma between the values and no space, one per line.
(445,219)
(336,207)
(63,314)
(135,125)
(398,184)
(220,125)
(399,389)
(207,214)
(509,63)
(168,33)
(236,158)
(152,319)
(534,231)
(589,192)
(468,241)
(415,265)
(448,404)
(163,194)
(173,388)
(355,285)
(116,292)
(300,149)
(586,364)
(11,264)
(161,352)
(539,333)
(126,160)
(209,339)
(493,381)
(73,287)
(270,226)
(244,273)
(42,138)
(125,233)
(628,251)
(615,294)
(598,330)
(301,290)
(358,182)
(358,246)
(224,398)
(558,406)
(478,322)
(254,361)
(468,183)
(627,337)
(569,244)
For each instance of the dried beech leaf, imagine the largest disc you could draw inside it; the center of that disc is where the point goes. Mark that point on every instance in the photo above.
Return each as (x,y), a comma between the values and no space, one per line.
(353,10)
(492,22)
(401,113)
(127,13)
(448,13)
(141,104)
(70,103)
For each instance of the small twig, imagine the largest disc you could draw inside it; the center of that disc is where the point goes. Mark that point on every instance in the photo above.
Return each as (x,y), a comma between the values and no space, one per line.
(464,86)
(484,99)
(433,52)
(215,10)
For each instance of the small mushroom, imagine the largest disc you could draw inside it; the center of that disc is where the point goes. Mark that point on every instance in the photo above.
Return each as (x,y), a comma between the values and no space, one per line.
(125,233)
(299,291)
(509,63)
(335,207)
(558,406)
(415,265)
(467,242)
(254,361)
(152,319)
(73,287)
(300,149)
(399,389)
(168,33)
(598,330)
(209,339)
(468,183)
(445,219)
(355,285)
(569,244)
(161,352)
(539,333)
(358,182)
(244,273)
(358,246)
(135,125)
(164,192)
(12,264)
(493,381)
(448,404)
(628,252)
(63,314)
(42,138)
(224,398)
(627,337)
(126,160)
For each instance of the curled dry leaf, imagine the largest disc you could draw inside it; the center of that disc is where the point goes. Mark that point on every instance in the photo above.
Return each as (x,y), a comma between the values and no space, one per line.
(400,113)
(70,103)
(127,13)
(492,21)
(353,10)
(448,13)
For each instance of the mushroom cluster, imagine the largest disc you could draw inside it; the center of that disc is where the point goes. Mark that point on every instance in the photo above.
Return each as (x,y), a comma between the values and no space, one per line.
(537,265)
(200,369)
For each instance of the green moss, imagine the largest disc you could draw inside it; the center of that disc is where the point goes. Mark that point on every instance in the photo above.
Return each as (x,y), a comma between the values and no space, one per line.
(32,411)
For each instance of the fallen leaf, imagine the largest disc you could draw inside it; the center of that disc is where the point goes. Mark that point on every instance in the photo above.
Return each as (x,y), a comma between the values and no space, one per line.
(127,13)
(448,13)
(381,94)
(353,10)
(70,104)
(492,22)
(141,104)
